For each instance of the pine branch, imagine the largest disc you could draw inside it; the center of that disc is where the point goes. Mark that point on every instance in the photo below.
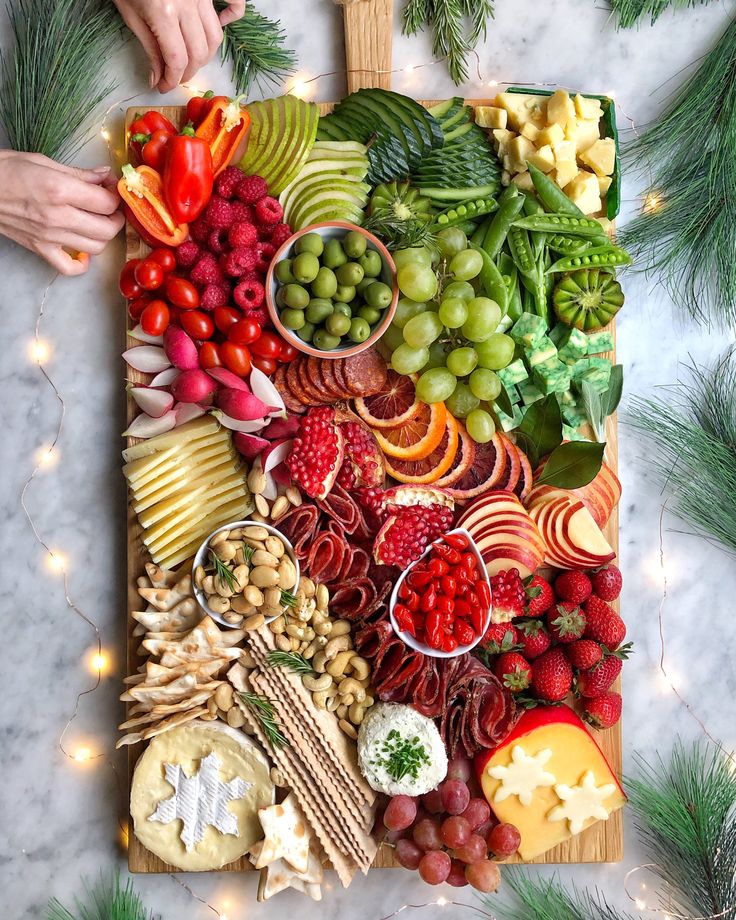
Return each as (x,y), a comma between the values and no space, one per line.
(106,901)
(630,12)
(539,899)
(255,47)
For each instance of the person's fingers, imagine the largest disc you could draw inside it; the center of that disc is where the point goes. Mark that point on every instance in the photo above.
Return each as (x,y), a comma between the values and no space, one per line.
(173,50)
(140,28)
(88,197)
(234,10)
(195,41)
(95,176)
(62,261)
(93,226)
(212,27)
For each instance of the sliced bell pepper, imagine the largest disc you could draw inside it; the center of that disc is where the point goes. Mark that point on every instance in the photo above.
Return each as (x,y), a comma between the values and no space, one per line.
(142,191)
(143,127)
(188,175)
(198,107)
(224,127)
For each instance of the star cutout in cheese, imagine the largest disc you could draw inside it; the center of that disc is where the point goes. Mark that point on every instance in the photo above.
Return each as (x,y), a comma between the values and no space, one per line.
(523,775)
(581,802)
(286,835)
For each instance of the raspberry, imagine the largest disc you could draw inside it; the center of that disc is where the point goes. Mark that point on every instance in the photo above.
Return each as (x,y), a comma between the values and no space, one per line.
(251,189)
(228,180)
(249,295)
(240,261)
(206,270)
(573,586)
(266,252)
(259,314)
(265,232)
(199,231)
(607,582)
(281,233)
(242,213)
(214,295)
(187,254)
(216,241)
(269,211)
(242,234)
(219,213)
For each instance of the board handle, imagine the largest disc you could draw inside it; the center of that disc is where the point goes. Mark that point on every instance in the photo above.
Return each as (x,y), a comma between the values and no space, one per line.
(368,38)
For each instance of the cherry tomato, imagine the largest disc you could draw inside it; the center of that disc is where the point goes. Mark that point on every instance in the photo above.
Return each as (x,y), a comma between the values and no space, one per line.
(182,293)
(225,317)
(197,324)
(267,365)
(155,318)
(288,352)
(165,258)
(129,287)
(268,345)
(209,355)
(236,358)
(137,306)
(149,275)
(244,331)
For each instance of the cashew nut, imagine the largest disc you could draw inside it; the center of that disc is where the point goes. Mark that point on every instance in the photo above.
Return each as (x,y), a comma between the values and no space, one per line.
(360,667)
(321,697)
(351,685)
(311,650)
(283,642)
(348,699)
(348,729)
(340,628)
(356,712)
(341,643)
(278,625)
(342,711)
(333,704)
(319,662)
(323,682)
(339,663)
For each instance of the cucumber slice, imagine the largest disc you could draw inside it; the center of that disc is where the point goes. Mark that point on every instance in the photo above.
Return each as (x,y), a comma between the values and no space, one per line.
(383,116)
(442,108)
(459,132)
(423,126)
(329,129)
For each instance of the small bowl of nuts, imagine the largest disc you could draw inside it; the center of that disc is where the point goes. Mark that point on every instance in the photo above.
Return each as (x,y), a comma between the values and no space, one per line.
(245,574)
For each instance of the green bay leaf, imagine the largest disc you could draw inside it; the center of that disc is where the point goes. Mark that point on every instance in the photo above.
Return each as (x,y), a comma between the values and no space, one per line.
(573,465)
(540,431)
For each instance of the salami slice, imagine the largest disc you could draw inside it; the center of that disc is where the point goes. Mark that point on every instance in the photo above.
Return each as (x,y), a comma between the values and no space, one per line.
(326,557)
(327,378)
(299,526)
(342,508)
(281,383)
(359,563)
(293,383)
(315,380)
(365,373)
(313,397)
(349,601)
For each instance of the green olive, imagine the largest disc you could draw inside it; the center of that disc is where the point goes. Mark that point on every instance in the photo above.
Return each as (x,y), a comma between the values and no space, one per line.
(280,297)
(310,242)
(306,332)
(334,255)
(325,284)
(350,274)
(362,285)
(342,308)
(324,341)
(344,293)
(370,314)
(293,319)
(318,310)
(378,295)
(305,267)
(371,263)
(354,244)
(295,296)
(359,330)
(283,272)
(338,324)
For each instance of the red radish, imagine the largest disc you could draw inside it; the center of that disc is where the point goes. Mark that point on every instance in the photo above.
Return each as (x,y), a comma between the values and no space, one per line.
(180,349)
(227,379)
(249,445)
(193,386)
(276,453)
(264,389)
(185,412)
(241,405)
(153,402)
(281,475)
(142,336)
(165,378)
(234,424)
(143,426)
(148,359)
(269,490)
(282,427)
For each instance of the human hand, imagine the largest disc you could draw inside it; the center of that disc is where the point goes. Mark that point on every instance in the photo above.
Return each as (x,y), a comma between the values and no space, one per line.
(49,208)
(179,36)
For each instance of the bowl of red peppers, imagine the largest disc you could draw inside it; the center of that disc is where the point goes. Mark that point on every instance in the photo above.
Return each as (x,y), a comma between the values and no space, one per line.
(441,604)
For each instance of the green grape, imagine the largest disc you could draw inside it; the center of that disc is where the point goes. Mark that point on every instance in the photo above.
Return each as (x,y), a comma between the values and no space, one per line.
(466,265)
(405,309)
(418,255)
(417,281)
(461,401)
(437,355)
(435,385)
(480,425)
(496,352)
(453,312)
(392,337)
(484,384)
(462,361)
(423,329)
(450,241)
(460,289)
(408,360)
(484,315)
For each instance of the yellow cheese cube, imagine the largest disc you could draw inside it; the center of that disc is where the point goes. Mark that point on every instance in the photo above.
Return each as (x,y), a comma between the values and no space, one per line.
(520,149)
(588,109)
(524,181)
(585,193)
(601,156)
(505,178)
(560,108)
(565,172)
(491,116)
(552,134)
(564,152)
(543,159)
(521,108)
(530,131)
(588,132)
(604,183)
(503,138)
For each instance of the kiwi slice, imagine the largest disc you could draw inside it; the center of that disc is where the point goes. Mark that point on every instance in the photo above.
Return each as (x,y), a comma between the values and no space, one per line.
(587,299)
(400,201)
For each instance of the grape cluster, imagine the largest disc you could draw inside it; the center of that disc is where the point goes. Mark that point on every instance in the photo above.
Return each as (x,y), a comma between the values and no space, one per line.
(449,835)
(449,335)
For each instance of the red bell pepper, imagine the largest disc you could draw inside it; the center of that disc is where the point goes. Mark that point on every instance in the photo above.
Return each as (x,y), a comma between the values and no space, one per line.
(224,128)
(153,153)
(142,191)
(188,175)
(143,127)
(198,107)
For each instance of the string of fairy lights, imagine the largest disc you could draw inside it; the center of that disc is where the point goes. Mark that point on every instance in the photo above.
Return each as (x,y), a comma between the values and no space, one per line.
(98,659)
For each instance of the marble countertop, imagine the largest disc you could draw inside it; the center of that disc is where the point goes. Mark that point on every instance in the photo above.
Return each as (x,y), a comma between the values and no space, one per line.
(60,819)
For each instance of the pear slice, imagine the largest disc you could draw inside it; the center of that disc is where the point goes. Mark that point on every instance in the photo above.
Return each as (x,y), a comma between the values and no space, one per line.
(347,200)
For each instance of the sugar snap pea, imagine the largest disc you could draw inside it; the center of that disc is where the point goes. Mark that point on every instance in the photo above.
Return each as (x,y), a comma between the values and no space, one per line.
(532,207)
(510,204)
(521,251)
(466,210)
(492,281)
(567,245)
(600,257)
(480,232)
(585,227)
(551,195)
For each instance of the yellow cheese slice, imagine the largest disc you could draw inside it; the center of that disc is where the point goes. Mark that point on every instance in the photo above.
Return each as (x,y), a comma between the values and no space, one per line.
(234,511)
(176,457)
(197,428)
(211,484)
(173,525)
(170,480)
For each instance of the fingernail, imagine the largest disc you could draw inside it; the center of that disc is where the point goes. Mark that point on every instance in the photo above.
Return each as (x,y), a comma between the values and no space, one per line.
(101,170)
(152,80)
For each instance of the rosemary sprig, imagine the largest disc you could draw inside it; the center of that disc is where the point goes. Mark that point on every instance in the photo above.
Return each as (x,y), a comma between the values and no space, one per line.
(288,599)
(255,47)
(223,572)
(263,710)
(398,232)
(248,551)
(629,12)
(106,901)
(291,660)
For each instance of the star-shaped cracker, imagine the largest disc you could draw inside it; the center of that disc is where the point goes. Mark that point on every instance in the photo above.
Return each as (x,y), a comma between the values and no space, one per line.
(523,775)
(581,802)
(287,835)
(279,875)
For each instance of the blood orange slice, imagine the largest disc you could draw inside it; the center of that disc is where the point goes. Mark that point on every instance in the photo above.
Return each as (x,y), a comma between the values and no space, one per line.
(487,469)
(510,478)
(396,405)
(417,438)
(464,457)
(524,485)
(430,468)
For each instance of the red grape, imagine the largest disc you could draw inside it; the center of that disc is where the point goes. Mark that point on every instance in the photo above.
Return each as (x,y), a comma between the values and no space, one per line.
(400,813)
(456,878)
(477,813)
(504,840)
(483,875)
(426,834)
(435,867)
(486,827)
(432,801)
(455,796)
(455,831)
(408,854)
(459,768)
(472,851)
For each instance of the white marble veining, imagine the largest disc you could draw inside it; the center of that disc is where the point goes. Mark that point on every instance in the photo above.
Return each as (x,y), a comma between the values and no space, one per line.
(59,820)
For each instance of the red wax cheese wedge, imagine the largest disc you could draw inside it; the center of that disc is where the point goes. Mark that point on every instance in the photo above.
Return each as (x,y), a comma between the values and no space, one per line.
(549,778)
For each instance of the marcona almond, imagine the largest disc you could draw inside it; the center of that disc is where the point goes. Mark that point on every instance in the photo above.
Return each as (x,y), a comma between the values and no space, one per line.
(253,595)
(280,507)
(256,479)
(322,596)
(272,597)
(219,538)
(286,576)
(256,516)
(254,622)
(226,550)
(275,546)
(262,506)
(241,604)
(256,533)
(294,496)
(235,717)
(224,696)
(263,557)
(262,576)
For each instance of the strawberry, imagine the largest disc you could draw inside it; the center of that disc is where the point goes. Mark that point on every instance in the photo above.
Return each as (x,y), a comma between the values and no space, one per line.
(540,596)
(599,678)
(566,622)
(500,637)
(574,587)
(584,654)
(509,596)
(552,676)
(534,639)
(607,582)
(603,624)
(603,711)
(514,671)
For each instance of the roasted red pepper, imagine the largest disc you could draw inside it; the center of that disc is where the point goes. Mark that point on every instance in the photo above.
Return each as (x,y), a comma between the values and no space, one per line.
(142,191)
(143,127)
(224,128)
(188,175)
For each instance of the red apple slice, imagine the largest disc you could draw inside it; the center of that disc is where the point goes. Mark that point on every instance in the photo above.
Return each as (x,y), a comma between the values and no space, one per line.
(585,535)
